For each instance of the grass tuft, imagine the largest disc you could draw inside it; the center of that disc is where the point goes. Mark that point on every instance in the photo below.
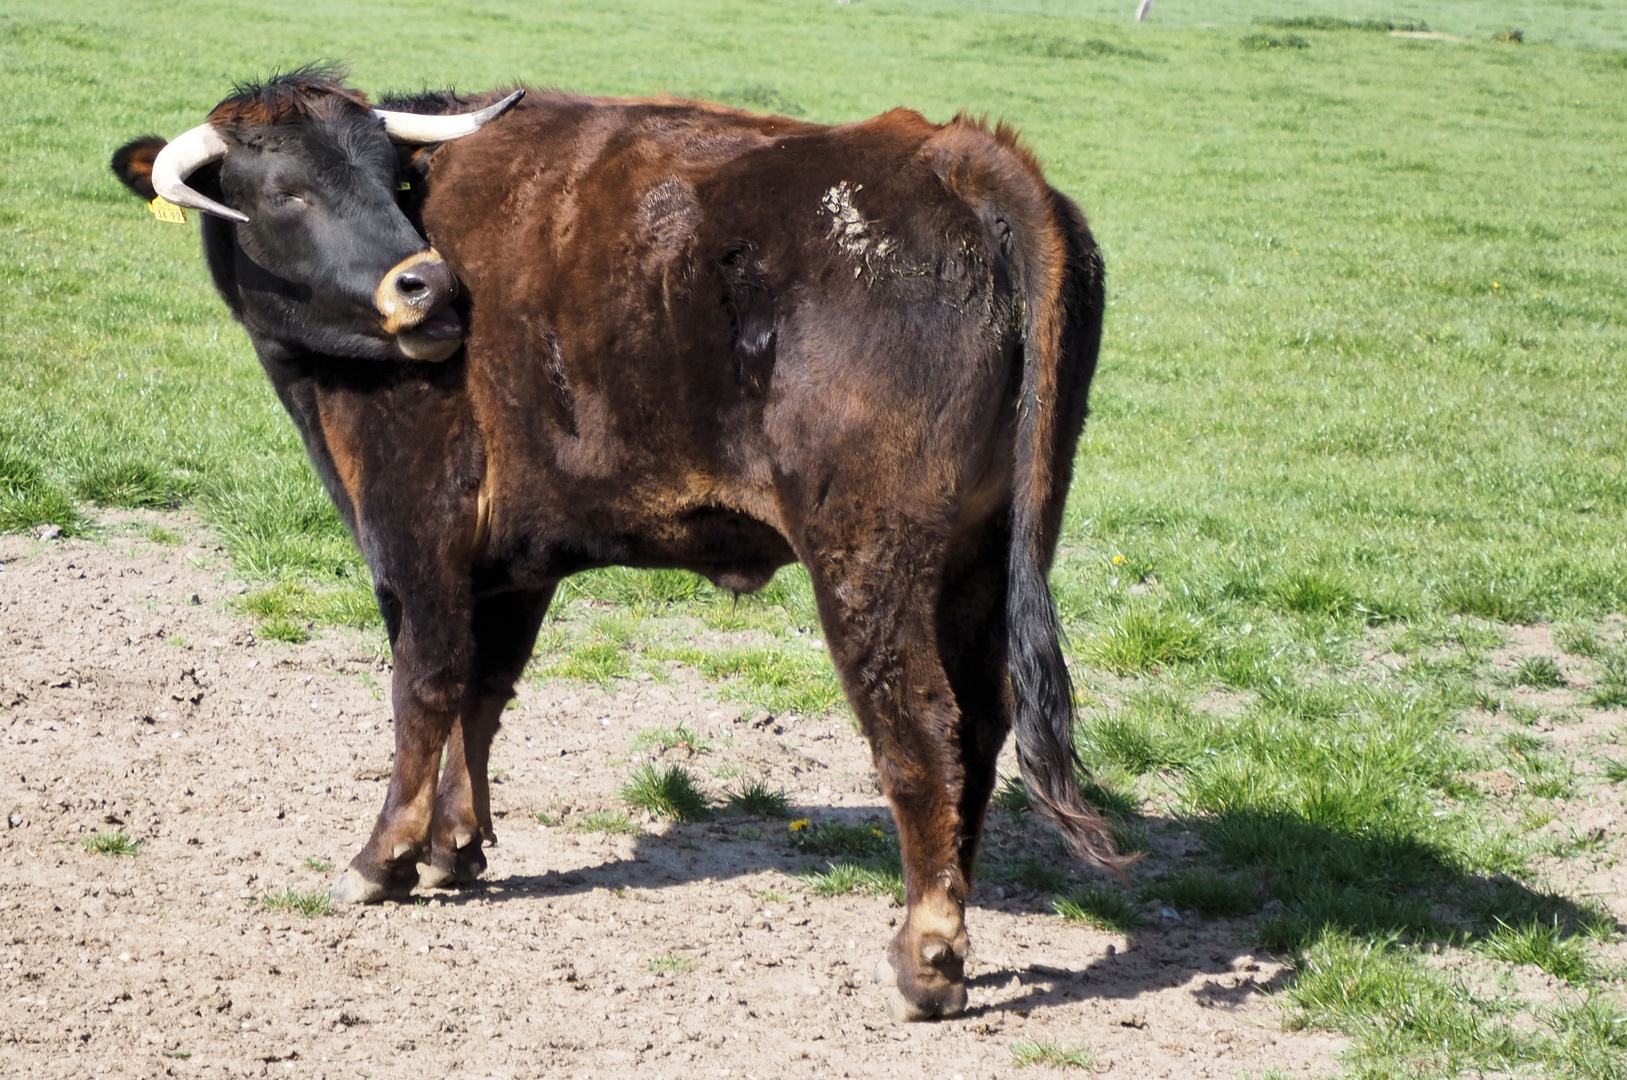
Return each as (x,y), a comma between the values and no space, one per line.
(1498,600)
(843,878)
(848,841)
(1275,41)
(1141,739)
(1331,23)
(1107,798)
(667,791)
(603,821)
(781,681)
(1052,47)
(1012,796)
(758,800)
(349,604)
(128,483)
(1547,946)
(1306,592)
(1589,1038)
(663,739)
(1610,692)
(1578,641)
(1025,1052)
(1036,874)
(1099,906)
(597,662)
(308,903)
(29,500)
(1144,638)
(285,630)
(661,964)
(115,842)
(1545,775)
(1395,1009)
(1539,672)
(1209,895)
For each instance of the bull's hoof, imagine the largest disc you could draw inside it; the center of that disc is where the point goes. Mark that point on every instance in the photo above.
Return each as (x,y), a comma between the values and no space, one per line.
(923,995)
(356,886)
(454,868)
(460,875)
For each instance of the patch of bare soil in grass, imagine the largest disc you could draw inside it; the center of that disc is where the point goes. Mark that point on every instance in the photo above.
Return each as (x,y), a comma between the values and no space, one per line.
(1554,734)
(135,697)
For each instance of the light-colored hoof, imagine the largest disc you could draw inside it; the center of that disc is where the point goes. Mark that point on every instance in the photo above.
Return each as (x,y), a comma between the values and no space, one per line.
(905,1011)
(902,1010)
(352,888)
(430,877)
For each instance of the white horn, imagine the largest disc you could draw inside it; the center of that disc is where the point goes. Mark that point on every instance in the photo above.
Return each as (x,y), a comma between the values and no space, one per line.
(408,127)
(190,151)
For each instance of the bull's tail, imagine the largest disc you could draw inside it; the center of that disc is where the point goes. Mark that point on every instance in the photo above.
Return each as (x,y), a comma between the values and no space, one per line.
(1059,274)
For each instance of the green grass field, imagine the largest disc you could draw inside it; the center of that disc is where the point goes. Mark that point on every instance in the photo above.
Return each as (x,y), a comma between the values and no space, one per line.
(1362,389)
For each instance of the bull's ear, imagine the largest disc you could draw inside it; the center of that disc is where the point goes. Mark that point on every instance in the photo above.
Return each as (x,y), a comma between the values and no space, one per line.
(133,163)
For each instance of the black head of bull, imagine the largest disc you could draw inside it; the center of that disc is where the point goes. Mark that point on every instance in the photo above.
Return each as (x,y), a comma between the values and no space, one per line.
(307,242)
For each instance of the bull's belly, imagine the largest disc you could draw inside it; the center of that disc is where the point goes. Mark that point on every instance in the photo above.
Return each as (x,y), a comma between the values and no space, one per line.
(732,550)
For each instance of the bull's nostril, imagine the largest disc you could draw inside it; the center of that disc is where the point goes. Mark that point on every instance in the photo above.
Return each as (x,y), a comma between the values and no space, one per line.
(410,285)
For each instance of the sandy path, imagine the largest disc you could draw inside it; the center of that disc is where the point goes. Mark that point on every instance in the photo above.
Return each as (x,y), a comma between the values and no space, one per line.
(132,694)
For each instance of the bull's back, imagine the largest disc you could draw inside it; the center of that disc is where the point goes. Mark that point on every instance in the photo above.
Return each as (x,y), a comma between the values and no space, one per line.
(667,298)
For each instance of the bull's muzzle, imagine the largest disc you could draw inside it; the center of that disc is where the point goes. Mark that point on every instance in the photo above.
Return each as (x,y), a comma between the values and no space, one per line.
(415,300)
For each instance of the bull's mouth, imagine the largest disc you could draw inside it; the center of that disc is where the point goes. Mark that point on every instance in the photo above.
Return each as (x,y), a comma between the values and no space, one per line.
(435,339)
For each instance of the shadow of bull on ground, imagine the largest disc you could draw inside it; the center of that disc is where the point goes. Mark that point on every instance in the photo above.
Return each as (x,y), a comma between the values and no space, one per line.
(1210,894)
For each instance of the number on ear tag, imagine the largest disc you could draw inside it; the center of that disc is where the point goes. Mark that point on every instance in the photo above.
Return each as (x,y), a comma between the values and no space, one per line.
(164,210)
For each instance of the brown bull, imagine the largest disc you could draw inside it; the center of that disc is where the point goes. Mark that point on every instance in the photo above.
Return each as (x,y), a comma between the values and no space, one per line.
(696,338)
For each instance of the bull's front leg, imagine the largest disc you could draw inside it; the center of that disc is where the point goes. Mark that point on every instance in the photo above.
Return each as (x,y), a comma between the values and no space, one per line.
(505,631)
(433,647)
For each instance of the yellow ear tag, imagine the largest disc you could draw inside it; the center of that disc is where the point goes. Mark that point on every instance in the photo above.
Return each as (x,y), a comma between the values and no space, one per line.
(405,185)
(164,210)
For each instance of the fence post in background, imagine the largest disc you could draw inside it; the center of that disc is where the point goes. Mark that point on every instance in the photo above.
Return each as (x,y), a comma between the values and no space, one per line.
(1141,12)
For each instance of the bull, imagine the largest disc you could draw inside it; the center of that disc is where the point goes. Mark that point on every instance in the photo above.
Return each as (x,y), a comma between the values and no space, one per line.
(524,335)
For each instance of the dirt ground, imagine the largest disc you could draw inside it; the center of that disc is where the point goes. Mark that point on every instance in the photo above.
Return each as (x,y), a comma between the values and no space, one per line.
(134,695)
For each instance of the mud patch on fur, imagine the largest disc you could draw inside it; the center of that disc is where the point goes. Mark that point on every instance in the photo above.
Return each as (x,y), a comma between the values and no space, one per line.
(852,234)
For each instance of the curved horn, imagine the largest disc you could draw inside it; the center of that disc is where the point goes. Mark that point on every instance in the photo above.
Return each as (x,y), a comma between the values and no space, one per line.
(408,127)
(190,151)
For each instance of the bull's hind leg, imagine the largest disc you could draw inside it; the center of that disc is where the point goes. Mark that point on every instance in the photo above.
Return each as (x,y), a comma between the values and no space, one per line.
(878,602)
(972,645)
(505,629)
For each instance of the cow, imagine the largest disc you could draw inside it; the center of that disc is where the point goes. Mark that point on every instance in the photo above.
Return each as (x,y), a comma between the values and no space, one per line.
(528,334)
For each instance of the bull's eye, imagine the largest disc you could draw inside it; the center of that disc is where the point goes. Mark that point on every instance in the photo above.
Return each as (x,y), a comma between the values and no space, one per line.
(286,200)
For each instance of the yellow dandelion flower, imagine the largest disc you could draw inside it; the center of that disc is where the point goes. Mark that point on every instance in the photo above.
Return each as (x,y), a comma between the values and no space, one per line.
(1118,560)
(799,824)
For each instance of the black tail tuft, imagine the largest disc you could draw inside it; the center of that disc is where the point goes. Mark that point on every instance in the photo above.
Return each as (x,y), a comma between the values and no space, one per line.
(1044,720)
